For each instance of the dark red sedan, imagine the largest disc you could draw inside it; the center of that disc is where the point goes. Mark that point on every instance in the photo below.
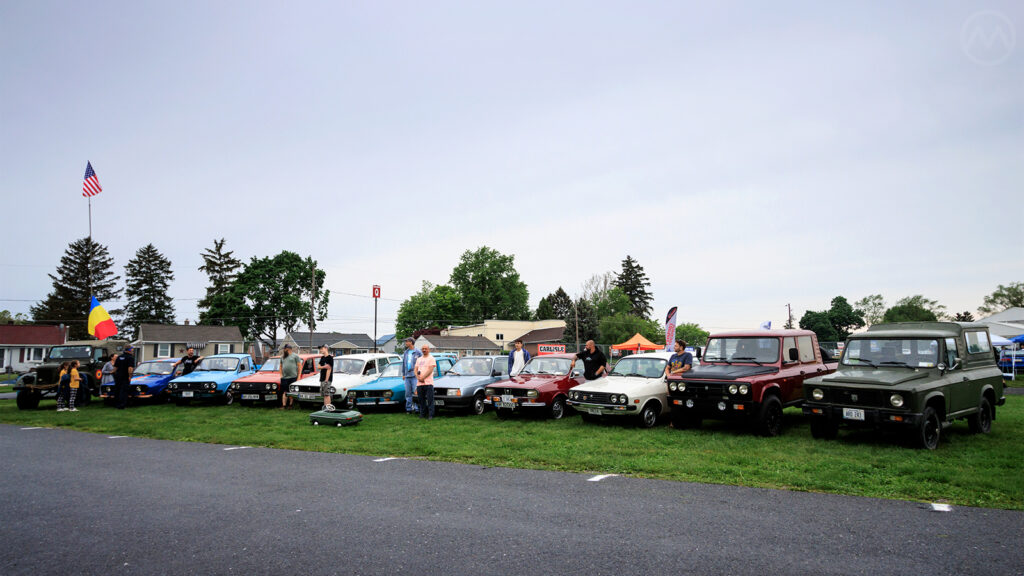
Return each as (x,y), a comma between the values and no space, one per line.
(543,385)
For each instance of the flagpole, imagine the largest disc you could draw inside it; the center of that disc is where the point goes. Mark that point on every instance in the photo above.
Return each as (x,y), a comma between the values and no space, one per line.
(90,218)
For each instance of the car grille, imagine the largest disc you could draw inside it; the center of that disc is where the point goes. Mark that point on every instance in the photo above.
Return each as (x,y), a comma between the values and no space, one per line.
(598,397)
(254,387)
(510,391)
(194,386)
(854,397)
(309,389)
(700,388)
(369,393)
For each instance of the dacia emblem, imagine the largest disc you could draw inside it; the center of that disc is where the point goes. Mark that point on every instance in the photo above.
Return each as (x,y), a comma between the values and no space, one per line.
(853,397)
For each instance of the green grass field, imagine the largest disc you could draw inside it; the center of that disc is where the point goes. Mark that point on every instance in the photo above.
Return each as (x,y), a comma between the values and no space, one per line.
(965,470)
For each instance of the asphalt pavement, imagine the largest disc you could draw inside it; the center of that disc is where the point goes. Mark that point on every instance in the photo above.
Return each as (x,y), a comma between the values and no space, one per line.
(79,503)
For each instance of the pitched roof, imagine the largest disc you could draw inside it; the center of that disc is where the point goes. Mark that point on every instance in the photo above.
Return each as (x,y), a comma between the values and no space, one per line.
(543,335)
(385,338)
(329,338)
(29,334)
(188,333)
(1014,315)
(460,342)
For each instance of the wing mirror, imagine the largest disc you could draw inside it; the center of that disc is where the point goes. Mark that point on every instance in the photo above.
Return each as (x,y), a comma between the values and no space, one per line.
(793,355)
(575,373)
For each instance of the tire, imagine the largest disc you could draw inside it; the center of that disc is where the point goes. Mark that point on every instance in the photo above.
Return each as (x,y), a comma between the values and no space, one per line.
(502,413)
(981,423)
(929,430)
(769,418)
(229,398)
(683,419)
(478,406)
(557,409)
(824,429)
(648,416)
(28,399)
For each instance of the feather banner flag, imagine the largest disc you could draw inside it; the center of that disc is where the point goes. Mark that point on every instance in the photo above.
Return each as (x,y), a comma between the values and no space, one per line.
(101,325)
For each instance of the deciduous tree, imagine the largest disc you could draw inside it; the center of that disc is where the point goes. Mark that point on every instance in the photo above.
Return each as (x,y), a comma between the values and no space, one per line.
(432,308)
(1004,297)
(489,286)
(873,307)
(692,333)
(909,313)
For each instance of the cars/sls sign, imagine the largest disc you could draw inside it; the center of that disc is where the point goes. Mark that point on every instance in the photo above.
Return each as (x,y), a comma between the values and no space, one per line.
(544,349)
(376,291)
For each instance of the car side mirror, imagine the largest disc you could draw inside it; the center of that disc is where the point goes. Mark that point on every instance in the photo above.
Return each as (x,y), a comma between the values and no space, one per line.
(575,373)
(496,373)
(793,355)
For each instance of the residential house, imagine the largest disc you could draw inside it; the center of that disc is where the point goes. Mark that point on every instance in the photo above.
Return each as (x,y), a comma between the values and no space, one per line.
(23,346)
(338,343)
(172,341)
(503,332)
(388,343)
(460,345)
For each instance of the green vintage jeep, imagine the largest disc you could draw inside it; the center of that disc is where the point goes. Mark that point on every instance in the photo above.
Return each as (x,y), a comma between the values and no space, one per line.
(915,376)
(41,381)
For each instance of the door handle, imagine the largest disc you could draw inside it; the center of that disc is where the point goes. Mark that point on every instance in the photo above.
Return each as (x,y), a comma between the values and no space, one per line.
(801,372)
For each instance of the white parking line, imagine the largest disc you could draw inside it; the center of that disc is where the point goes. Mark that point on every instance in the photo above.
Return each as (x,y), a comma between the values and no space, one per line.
(115,437)
(941,507)
(386,459)
(33,428)
(601,477)
(237,448)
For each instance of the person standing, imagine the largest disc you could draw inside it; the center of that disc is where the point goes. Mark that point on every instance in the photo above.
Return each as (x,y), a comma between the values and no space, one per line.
(517,359)
(409,358)
(107,371)
(326,377)
(63,387)
(188,362)
(124,367)
(291,364)
(74,382)
(594,361)
(425,367)
(681,361)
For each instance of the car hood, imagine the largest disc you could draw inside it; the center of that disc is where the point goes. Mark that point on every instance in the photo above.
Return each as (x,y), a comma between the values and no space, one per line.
(207,376)
(530,381)
(621,384)
(381,384)
(727,372)
(874,377)
(261,378)
(149,379)
(467,381)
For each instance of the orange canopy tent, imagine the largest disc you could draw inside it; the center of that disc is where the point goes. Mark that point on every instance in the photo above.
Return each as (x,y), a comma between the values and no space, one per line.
(638,343)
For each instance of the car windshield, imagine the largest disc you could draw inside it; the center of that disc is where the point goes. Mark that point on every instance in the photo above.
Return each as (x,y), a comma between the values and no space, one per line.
(348,366)
(271,365)
(70,352)
(646,367)
(757,350)
(160,368)
(472,367)
(911,353)
(218,364)
(542,365)
(392,371)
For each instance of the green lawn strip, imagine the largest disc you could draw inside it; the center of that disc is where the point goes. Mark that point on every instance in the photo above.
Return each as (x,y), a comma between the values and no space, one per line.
(6,388)
(973,470)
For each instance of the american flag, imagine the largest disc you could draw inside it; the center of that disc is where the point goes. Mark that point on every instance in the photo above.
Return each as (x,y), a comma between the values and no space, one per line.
(91,186)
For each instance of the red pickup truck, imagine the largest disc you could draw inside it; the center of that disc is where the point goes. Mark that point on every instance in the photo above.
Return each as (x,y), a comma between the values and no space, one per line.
(751,376)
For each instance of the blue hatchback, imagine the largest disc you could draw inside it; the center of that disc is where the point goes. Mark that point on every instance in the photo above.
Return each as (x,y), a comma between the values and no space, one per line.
(389,389)
(149,381)
(211,378)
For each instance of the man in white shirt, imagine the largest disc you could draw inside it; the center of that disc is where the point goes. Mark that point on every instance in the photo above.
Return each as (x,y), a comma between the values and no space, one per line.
(517,359)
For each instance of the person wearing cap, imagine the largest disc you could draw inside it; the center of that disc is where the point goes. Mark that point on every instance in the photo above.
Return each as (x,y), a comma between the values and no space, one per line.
(124,367)
(291,364)
(409,359)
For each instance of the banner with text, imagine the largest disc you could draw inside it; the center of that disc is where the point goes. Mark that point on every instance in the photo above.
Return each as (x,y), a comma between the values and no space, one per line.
(670,328)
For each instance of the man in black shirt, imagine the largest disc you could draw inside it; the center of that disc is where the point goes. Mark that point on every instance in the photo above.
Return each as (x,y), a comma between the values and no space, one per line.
(326,365)
(594,361)
(189,362)
(124,367)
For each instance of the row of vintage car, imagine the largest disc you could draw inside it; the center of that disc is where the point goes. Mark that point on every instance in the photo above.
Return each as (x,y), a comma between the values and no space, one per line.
(918,377)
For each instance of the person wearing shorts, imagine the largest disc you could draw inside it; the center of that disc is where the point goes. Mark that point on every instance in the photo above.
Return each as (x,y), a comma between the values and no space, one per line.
(291,364)
(326,377)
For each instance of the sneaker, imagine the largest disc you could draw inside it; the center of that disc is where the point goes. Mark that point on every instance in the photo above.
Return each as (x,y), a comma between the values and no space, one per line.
(62,409)
(72,409)
(329,408)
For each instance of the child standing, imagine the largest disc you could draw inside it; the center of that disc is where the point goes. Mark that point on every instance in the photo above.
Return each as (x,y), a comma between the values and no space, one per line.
(63,386)
(75,381)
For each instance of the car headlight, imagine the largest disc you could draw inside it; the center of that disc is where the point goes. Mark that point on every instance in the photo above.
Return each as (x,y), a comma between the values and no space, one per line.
(532,393)
(294,388)
(351,393)
(673,387)
(896,400)
(273,386)
(744,388)
(266,386)
(489,392)
(332,390)
(733,388)
(623,399)
(455,392)
(387,393)
(139,389)
(817,394)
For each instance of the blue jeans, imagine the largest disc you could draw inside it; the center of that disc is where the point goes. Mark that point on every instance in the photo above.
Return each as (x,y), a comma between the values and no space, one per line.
(410,387)
(426,394)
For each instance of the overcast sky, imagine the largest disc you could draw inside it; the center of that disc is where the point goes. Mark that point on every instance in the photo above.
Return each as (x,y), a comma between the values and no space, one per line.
(747,154)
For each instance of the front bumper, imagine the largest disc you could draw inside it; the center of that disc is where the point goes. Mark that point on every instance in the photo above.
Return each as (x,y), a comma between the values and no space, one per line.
(602,409)
(263,396)
(724,408)
(514,403)
(374,401)
(197,394)
(872,417)
(109,392)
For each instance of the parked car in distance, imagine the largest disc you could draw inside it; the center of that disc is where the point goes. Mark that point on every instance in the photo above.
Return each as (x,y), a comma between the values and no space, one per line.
(466,382)
(389,389)
(910,376)
(149,381)
(349,370)
(542,386)
(263,385)
(212,378)
(41,381)
(748,376)
(634,387)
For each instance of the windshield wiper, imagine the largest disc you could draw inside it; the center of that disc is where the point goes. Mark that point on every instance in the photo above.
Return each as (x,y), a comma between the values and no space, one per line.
(715,359)
(748,358)
(862,361)
(635,374)
(617,374)
(896,363)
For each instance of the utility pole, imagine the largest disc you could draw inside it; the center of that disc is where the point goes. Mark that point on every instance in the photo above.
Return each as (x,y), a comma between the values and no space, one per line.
(312,305)
(576,313)
(376,297)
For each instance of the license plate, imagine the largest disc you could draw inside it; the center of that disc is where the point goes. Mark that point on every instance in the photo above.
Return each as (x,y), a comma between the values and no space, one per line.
(309,397)
(507,398)
(186,394)
(506,405)
(439,402)
(271,397)
(250,396)
(853,414)
(594,411)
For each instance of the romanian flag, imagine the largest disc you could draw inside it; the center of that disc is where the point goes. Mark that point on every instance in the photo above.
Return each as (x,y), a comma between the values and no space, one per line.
(100,324)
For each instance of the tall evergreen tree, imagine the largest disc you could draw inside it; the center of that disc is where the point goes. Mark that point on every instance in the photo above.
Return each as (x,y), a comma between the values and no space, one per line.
(222,268)
(561,303)
(633,281)
(86,269)
(147,277)
(544,310)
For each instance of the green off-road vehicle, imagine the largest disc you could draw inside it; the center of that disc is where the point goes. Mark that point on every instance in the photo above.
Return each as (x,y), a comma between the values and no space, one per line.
(914,376)
(41,381)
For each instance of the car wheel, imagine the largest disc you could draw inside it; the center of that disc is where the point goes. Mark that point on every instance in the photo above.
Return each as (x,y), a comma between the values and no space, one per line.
(648,416)
(928,430)
(28,399)
(682,419)
(502,413)
(229,398)
(557,409)
(824,429)
(478,406)
(981,423)
(769,419)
